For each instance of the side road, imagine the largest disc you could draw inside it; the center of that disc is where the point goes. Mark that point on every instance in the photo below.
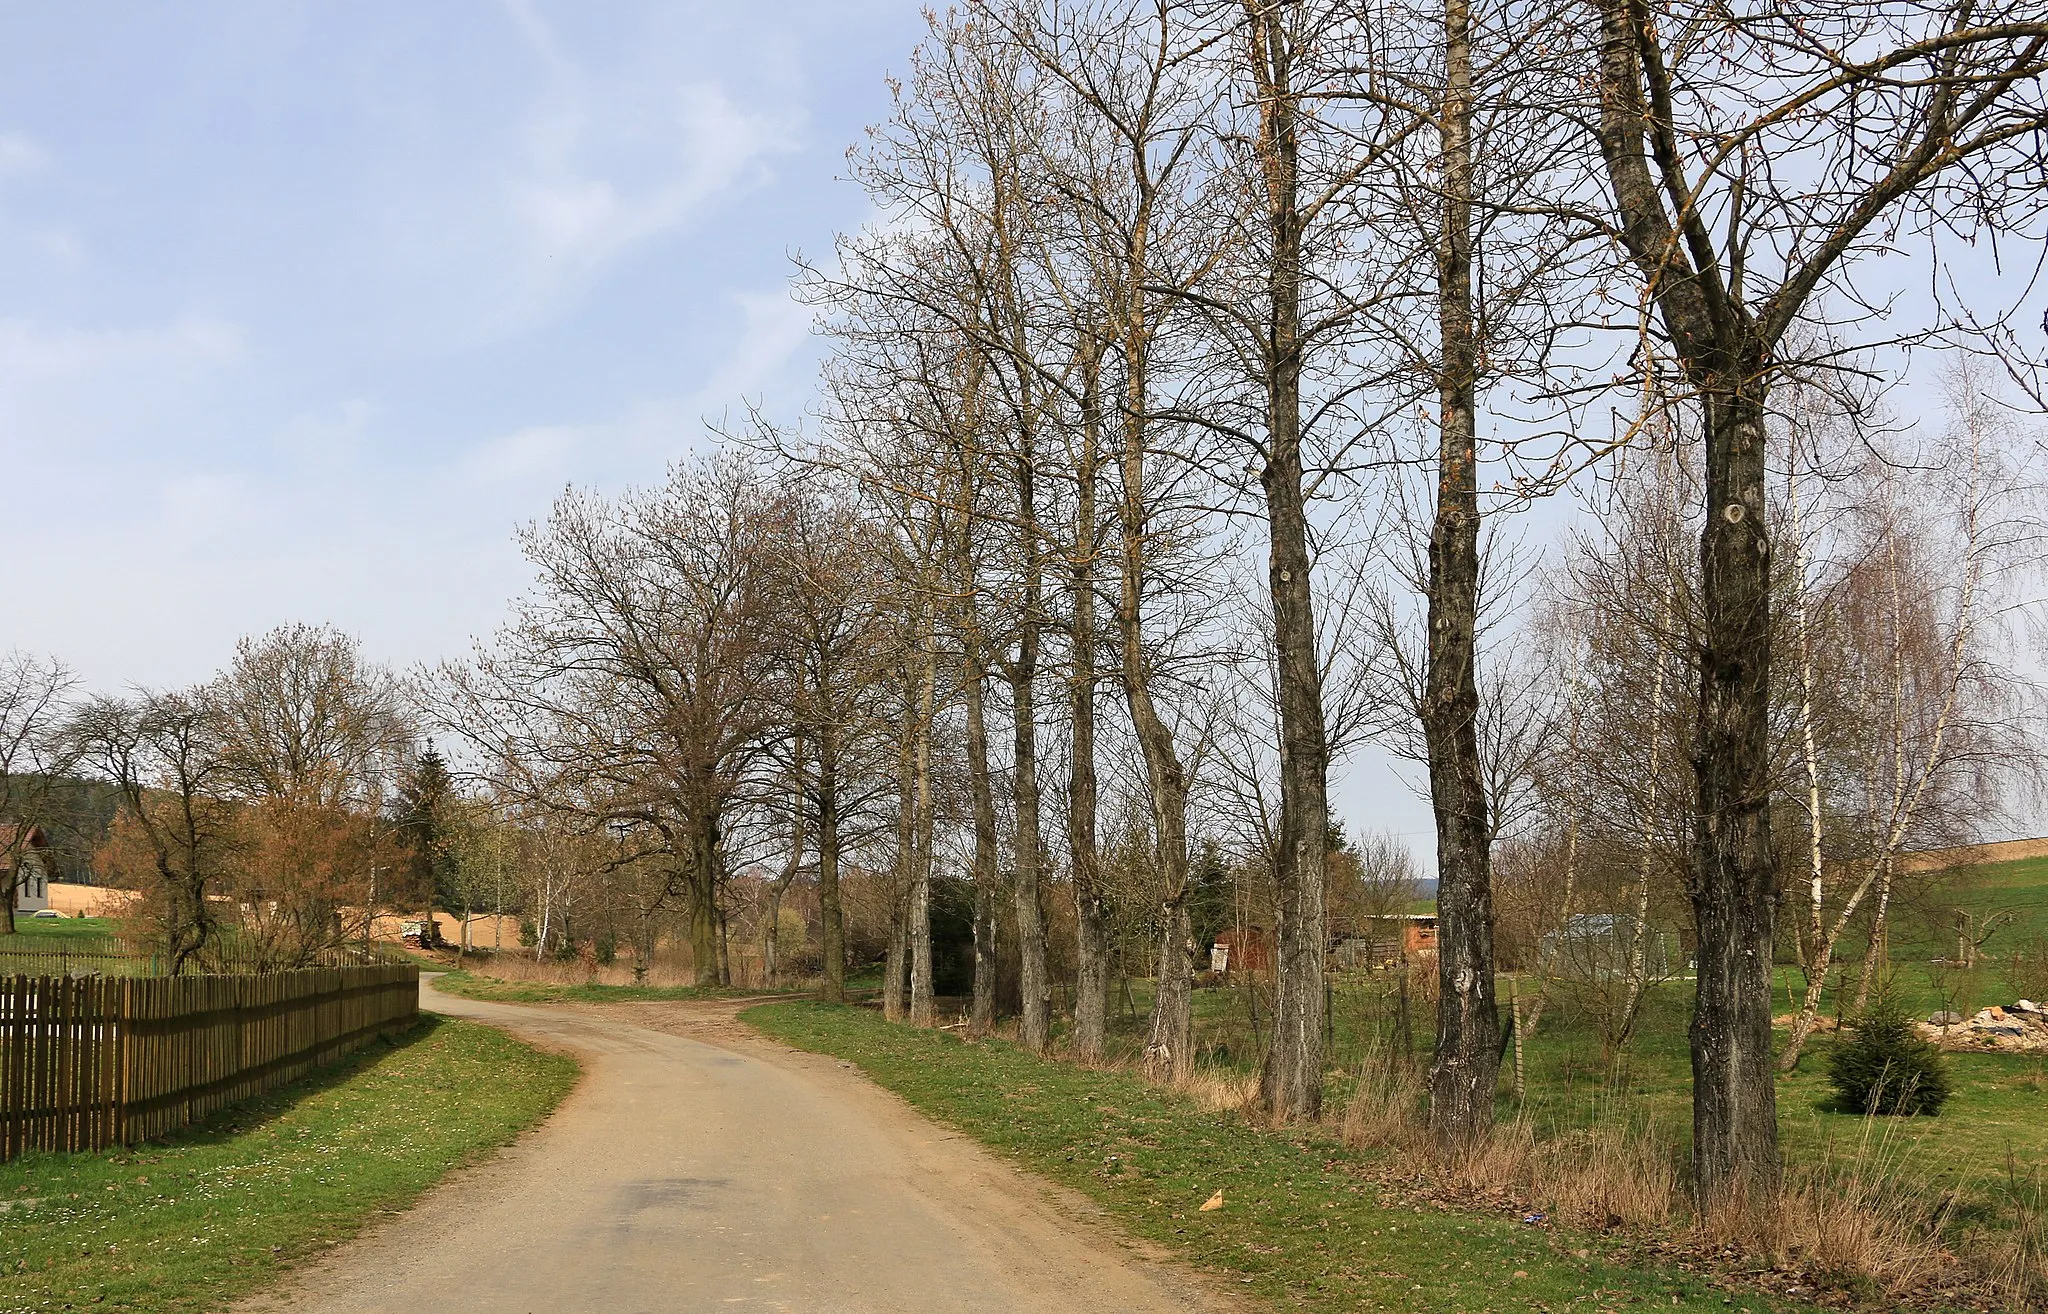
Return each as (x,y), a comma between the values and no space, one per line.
(701,1167)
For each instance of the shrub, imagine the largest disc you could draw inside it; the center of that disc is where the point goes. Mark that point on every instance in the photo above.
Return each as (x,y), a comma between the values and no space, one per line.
(1886,1066)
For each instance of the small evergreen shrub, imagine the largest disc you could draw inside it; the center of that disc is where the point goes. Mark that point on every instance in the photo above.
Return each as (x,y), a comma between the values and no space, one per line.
(1885,1066)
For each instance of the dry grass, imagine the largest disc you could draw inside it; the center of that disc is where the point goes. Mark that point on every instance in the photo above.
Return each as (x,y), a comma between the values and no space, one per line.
(1386,1110)
(1859,1221)
(510,966)
(1220,1090)
(2017,1262)
(1620,1174)
(1846,1227)
(1498,1166)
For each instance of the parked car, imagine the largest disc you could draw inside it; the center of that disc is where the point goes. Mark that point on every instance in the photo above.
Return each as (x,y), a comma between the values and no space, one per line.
(51,913)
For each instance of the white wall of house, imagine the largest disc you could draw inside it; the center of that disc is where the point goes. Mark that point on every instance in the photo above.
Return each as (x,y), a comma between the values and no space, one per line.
(32,891)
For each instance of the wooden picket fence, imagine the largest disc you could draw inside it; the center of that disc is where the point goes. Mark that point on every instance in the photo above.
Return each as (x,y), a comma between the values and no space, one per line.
(88,1062)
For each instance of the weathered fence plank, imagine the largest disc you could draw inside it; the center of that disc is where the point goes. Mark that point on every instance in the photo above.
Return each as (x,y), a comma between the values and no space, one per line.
(87,1062)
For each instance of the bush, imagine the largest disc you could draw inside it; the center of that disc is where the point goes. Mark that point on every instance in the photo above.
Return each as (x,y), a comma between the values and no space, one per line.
(1886,1066)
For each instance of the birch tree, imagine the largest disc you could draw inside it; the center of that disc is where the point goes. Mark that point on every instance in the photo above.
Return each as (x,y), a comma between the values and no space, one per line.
(1895,114)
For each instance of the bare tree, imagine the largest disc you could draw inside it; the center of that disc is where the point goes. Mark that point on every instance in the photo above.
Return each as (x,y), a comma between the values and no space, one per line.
(630,689)
(34,751)
(1895,112)
(823,629)
(1919,713)
(163,752)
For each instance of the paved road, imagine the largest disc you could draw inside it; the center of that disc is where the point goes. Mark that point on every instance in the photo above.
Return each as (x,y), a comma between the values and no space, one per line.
(714,1170)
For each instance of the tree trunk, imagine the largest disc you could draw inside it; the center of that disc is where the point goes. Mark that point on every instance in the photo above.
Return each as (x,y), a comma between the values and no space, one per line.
(903,868)
(1734,895)
(1168,1050)
(831,915)
(1821,956)
(1091,937)
(1466,1069)
(703,886)
(1291,1085)
(897,959)
(921,842)
(987,877)
(1170,1047)
(1816,948)
(1030,912)
(1877,950)
(777,888)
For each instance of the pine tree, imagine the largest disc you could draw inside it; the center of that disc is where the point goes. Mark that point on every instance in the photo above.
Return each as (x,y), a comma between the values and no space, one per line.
(424,816)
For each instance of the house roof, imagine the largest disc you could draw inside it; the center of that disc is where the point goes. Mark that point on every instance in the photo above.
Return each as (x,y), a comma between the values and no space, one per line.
(11,830)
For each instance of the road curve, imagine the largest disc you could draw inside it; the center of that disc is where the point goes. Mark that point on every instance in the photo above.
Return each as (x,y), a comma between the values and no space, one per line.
(684,1176)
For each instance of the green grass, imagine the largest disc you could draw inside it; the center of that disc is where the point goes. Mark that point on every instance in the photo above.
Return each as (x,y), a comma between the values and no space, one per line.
(188,1224)
(53,932)
(1982,1147)
(1994,1123)
(2019,888)
(1301,1227)
(471,985)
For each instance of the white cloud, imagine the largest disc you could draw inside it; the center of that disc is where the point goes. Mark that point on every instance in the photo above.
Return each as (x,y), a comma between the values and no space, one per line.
(487,230)
(200,507)
(776,326)
(331,436)
(20,155)
(634,445)
(584,221)
(530,454)
(29,350)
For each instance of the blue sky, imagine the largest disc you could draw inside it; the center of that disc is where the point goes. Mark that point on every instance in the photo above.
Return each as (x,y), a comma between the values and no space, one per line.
(303,307)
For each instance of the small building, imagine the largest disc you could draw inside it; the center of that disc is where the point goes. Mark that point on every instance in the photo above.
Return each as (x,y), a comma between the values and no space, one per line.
(1605,944)
(1384,940)
(1247,950)
(24,866)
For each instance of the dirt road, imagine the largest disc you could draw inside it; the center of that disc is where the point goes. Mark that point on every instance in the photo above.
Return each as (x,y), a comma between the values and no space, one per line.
(701,1167)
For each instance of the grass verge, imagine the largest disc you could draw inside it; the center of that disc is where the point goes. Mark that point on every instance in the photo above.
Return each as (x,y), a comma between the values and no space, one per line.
(471,985)
(51,932)
(1300,1226)
(192,1222)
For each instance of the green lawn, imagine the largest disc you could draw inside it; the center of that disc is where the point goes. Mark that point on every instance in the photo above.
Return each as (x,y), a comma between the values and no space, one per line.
(213,1213)
(1983,1145)
(63,932)
(472,985)
(1300,1227)
(2020,888)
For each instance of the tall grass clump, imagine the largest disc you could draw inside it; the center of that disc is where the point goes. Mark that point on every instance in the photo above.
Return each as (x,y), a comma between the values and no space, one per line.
(1386,1107)
(1616,1174)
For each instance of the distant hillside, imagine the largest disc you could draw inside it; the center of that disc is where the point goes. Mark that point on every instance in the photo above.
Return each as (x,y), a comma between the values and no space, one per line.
(1974,855)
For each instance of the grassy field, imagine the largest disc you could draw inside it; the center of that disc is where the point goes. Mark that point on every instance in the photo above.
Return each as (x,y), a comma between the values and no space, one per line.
(54,932)
(472,985)
(2012,896)
(1984,1160)
(188,1224)
(1300,1226)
